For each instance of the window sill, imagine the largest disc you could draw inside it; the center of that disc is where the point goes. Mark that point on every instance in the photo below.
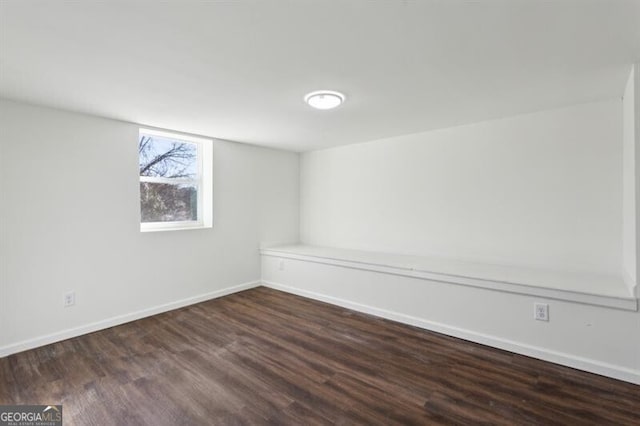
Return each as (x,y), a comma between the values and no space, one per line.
(172,227)
(593,289)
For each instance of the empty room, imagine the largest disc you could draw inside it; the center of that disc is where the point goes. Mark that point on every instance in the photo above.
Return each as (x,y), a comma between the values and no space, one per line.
(319,212)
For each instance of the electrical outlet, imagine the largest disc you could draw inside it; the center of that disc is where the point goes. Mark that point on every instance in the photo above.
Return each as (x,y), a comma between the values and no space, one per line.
(541,311)
(69,299)
(281,265)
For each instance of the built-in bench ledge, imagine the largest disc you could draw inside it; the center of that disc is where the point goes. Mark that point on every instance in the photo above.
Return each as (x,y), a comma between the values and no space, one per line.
(589,288)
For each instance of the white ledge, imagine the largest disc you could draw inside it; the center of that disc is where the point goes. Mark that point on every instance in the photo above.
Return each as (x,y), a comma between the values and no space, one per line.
(589,288)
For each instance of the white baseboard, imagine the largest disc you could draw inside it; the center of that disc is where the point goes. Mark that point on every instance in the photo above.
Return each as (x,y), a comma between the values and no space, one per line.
(573,361)
(120,319)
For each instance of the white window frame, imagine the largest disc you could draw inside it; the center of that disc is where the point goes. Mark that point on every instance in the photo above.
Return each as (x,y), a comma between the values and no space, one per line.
(203,183)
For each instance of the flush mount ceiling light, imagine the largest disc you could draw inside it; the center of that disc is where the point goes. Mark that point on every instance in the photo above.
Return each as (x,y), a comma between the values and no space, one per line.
(324,99)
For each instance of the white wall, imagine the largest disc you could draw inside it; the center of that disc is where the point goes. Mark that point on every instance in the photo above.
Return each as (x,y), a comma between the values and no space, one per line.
(629,180)
(540,190)
(69,220)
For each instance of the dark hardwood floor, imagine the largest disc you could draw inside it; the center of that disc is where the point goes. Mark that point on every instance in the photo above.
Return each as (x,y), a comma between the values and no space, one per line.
(266,357)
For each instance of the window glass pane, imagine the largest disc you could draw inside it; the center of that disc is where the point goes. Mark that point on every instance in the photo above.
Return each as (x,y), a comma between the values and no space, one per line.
(165,157)
(163,202)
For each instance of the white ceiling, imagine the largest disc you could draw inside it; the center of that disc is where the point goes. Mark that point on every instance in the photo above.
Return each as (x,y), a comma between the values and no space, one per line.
(239,70)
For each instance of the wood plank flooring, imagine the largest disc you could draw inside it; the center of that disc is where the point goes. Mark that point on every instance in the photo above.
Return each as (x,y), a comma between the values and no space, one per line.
(266,357)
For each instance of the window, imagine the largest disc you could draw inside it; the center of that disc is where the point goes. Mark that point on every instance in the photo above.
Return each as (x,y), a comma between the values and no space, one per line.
(175,181)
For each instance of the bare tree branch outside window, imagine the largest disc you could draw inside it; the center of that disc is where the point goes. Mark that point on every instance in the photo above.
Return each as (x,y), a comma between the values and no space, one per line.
(167,158)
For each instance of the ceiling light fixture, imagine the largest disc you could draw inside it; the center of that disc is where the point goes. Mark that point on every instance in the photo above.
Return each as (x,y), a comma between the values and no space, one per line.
(324,99)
